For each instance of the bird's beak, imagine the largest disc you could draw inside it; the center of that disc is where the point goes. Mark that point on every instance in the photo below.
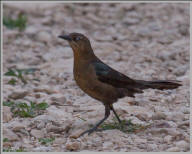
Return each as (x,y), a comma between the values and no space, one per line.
(65,37)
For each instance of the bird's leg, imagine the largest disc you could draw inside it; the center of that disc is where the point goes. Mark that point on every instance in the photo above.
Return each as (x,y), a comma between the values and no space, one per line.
(111,107)
(107,113)
(119,120)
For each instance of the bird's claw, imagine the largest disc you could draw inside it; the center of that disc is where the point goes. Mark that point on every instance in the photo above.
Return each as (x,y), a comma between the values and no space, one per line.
(89,131)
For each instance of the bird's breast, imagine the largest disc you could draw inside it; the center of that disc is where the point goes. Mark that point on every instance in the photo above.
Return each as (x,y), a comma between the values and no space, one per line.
(88,82)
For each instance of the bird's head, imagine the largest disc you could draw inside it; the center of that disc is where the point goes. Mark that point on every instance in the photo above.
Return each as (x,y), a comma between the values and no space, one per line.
(78,42)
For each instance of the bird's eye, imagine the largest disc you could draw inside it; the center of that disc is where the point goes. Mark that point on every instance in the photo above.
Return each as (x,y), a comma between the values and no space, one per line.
(77,38)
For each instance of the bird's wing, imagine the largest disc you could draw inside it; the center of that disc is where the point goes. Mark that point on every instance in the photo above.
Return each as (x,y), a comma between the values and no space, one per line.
(108,75)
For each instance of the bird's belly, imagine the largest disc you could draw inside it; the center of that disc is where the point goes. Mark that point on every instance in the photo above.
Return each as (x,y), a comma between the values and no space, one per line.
(98,90)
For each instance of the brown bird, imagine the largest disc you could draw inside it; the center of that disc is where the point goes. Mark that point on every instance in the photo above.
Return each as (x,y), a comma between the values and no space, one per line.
(102,82)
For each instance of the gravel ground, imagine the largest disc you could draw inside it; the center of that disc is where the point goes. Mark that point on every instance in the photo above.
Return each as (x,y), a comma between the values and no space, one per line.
(142,40)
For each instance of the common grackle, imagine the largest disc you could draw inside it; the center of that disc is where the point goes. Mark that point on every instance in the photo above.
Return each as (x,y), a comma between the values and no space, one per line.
(102,82)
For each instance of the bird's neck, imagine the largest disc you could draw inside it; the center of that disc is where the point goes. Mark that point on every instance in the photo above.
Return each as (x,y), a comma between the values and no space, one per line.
(83,58)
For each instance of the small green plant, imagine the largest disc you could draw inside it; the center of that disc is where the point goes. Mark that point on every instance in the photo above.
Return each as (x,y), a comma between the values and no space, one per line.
(5,140)
(12,81)
(19,73)
(9,104)
(9,149)
(124,126)
(19,23)
(46,141)
(23,110)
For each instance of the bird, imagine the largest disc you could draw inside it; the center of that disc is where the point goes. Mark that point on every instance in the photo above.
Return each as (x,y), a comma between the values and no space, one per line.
(102,82)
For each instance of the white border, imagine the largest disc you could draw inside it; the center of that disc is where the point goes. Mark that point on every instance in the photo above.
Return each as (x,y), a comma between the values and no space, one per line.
(71,1)
(2,2)
(1,76)
(190,118)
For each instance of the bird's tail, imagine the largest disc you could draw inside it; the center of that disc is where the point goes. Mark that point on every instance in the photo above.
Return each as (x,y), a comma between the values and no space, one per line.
(159,84)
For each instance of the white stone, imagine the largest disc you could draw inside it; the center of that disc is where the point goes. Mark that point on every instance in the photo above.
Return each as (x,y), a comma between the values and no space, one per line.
(42,148)
(72,146)
(18,94)
(31,7)
(139,140)
(44,89)
(7,133)
(58,99)
(59,141)
(182,144)
(58,113)
(31,30)
(76,133)
(172,124)
(56,129)
(152,147)
(173,149)
(107,145)
(44,118)
(7,114)
(44,36)
(131,21)
(16,126)
(37,133)
(168,131)
(175,116)
(159,116)
(168,139)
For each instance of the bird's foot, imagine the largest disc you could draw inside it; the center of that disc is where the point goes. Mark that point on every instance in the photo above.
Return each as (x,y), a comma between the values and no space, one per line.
(89,131)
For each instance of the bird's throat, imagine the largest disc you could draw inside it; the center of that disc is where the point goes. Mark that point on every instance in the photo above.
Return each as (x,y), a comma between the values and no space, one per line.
(82,58)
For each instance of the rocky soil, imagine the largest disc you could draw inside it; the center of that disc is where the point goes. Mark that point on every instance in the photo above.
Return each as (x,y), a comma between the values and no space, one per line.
(142,40)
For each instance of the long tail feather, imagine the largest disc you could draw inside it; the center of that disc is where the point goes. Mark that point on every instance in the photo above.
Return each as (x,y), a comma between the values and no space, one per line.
(160,84)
